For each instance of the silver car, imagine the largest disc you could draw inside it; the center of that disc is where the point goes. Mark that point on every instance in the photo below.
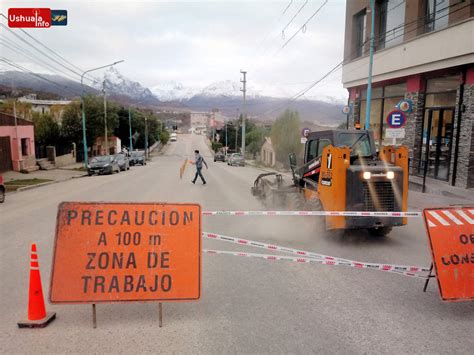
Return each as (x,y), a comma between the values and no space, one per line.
(236,159)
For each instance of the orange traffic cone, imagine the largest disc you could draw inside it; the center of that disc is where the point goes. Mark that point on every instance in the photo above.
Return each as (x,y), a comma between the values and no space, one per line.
(37,316)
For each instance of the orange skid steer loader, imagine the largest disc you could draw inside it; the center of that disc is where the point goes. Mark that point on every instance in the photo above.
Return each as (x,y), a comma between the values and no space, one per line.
(342,171)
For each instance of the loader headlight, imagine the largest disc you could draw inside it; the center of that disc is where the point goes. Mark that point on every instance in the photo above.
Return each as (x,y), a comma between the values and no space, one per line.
(367,175)
(390,175)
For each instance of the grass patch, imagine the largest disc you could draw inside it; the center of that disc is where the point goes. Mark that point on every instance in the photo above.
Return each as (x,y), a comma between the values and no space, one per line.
(16,184)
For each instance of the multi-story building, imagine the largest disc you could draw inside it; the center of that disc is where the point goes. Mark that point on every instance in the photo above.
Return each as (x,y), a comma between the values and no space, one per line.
(424,52)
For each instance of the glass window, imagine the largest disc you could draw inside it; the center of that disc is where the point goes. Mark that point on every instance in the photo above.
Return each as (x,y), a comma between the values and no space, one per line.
(322,144)
(360,33)
(444,84)
(392,20)
(359,143)
(377,93)
(375,118)
(437,14)
(395,90)
(24,147)
(312,150)
(447,99)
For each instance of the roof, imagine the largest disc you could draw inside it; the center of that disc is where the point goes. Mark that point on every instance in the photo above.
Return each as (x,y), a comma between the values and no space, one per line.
(9,120)
(44,102)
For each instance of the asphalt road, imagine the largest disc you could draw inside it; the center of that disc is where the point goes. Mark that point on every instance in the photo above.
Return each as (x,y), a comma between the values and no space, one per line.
(247,305)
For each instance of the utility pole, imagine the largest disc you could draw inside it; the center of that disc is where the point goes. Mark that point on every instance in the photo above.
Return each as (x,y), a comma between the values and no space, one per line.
(105,121)
(371,62)
(244,109)
(225,124)
(130,128)
(236,128)
(146,137)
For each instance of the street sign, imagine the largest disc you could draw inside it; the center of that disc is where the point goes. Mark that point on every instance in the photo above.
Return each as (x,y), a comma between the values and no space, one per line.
(396,119)
(346,109)
(305,132)
(451,235)
(405,105)
(304,140)
(395,133)
(117,252)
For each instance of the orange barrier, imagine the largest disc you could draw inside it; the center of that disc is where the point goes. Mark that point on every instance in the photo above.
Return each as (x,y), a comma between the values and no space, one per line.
(37,316)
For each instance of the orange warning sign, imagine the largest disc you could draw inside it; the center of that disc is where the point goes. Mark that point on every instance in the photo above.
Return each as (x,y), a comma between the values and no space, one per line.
(112,252)
(451,234)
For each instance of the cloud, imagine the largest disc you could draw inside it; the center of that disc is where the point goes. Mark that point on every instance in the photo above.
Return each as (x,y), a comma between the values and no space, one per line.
(197,42)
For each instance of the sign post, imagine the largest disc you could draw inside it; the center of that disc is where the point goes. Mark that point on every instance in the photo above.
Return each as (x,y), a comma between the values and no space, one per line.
(395,120)
(125,252)
(451,235)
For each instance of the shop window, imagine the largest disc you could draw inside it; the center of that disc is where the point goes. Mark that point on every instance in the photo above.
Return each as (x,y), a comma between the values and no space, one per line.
(360,21)
(375,117)
(377,93)
(24,147)
(447,99)
(392,20)
(436,14)
(444,84)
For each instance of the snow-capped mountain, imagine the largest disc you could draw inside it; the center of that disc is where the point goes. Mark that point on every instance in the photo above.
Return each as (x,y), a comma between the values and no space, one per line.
(118,85)
(173,91)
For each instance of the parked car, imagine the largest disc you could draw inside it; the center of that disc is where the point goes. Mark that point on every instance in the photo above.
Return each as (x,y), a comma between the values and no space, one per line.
(123,162)
(219,156)
(137,157)
(173,137)
(2,190)
(105,164)
(236,159)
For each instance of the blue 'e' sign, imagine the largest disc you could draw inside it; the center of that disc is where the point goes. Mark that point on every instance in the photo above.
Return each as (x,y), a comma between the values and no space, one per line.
(396,119)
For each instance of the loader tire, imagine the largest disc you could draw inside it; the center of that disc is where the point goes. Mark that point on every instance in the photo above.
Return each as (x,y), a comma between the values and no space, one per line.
(380,232)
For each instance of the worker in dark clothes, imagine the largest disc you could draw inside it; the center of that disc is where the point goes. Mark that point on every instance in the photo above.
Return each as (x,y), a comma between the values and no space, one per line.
(198,161)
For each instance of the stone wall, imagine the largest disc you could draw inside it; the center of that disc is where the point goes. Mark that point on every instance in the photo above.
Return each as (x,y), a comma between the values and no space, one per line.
(465,163)
(413,129)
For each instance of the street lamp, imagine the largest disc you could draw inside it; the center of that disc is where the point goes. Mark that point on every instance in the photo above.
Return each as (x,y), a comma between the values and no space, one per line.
(84,139)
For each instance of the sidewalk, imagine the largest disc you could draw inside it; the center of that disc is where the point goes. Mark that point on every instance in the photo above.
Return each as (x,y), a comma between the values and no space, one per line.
(57,175)
(441,188)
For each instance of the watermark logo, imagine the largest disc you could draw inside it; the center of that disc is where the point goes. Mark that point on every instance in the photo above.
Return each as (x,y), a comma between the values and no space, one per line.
(29,18)
(36,17)
(59,17)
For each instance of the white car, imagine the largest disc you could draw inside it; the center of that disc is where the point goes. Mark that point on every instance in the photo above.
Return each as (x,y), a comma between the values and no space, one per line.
(173,137)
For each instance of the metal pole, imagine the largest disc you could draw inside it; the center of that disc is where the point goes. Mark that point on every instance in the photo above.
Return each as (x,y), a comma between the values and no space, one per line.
(244,109)
(146,138)
(84,140)
(130,128)
(371,61)
(225,124)
(105,122)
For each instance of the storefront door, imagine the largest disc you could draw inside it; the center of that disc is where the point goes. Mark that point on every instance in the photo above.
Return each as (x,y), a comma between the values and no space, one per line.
(437,142)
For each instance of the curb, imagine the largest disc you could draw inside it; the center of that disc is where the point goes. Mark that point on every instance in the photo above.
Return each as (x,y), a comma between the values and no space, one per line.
(26,188)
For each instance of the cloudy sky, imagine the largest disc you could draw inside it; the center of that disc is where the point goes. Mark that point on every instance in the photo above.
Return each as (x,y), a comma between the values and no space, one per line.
(197,43)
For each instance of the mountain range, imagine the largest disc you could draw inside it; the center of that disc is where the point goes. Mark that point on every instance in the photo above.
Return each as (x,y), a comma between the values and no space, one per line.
(174,96)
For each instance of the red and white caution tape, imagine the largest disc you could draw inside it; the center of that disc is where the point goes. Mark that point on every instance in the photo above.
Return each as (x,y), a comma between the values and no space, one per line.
(316,257)
(314,213)
(302,260)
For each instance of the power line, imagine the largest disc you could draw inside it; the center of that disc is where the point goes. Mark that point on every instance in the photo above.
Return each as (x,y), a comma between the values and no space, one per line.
(303,26)
(52,51)
(25,53)
(17,66)
(39,50)
(284,11)
(299,10)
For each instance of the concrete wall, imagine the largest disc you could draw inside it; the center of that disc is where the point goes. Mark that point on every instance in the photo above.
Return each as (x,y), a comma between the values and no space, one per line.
(20,161)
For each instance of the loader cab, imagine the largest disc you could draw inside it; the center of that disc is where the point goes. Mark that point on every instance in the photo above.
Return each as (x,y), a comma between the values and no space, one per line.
(361,143)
